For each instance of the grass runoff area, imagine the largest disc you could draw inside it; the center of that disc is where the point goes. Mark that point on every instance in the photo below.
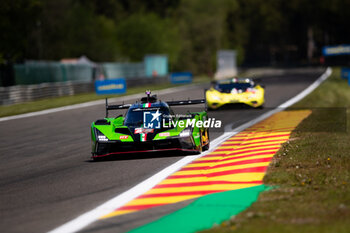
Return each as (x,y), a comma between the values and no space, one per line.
(311,173)
(47,103)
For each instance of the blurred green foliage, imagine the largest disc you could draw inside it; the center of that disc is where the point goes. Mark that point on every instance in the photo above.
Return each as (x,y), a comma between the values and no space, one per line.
(189,31)
(142,34)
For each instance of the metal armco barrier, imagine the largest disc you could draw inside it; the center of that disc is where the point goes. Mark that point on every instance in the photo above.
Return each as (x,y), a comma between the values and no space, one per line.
(25,93)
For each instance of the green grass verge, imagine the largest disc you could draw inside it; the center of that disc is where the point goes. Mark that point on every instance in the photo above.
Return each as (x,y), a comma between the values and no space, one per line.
(311,172)
(55,102)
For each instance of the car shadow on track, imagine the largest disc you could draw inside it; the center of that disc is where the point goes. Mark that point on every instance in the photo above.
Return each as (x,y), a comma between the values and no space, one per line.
(135,156)
(235,106)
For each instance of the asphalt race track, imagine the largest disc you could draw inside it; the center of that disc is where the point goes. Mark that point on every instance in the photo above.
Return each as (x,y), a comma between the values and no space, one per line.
(47,177)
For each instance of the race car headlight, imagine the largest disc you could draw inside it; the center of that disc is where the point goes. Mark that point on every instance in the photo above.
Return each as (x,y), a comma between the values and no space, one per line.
(100,136)
(216,98)
(185,133)
(252,96)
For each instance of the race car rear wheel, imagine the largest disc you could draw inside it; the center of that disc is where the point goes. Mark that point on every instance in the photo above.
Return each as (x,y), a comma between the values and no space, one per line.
(206,147)
(199,148)
(96,159)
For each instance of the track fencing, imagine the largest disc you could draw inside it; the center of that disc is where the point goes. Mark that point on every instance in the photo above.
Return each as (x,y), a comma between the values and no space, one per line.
(125,70)
(25,93)
(37,72)
(34,80)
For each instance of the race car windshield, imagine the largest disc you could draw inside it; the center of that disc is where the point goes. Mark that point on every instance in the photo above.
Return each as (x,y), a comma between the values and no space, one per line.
(136,116)
(227,87)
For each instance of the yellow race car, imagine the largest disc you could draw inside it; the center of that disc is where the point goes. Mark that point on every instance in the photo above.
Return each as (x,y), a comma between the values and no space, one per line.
(235,91)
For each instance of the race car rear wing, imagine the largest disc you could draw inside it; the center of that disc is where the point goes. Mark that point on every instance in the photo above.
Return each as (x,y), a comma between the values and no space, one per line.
(170,103)
(185,102)
(116,107)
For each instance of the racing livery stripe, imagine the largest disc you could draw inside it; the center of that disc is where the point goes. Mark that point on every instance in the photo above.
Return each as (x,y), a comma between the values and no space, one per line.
(238,163)
(143,137)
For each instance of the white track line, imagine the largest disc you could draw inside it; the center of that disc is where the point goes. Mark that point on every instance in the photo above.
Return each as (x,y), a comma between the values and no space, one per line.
(96,102)
(120,200)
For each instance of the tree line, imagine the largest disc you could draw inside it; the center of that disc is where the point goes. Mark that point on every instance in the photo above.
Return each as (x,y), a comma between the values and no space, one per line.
(189,31)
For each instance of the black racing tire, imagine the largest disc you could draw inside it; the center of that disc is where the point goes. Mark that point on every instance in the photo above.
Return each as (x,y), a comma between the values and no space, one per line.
(261,106)
(200,147)
(206,147)
(96,159)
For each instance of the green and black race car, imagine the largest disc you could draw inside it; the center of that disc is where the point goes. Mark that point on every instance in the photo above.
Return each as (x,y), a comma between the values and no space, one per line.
(150,125)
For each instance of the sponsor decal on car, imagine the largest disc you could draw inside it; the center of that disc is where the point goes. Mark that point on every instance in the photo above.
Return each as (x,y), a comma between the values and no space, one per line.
(124,137)
(166,134)
(143,137)
(143,130)
(138,130)
(151,119)
(209,123)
